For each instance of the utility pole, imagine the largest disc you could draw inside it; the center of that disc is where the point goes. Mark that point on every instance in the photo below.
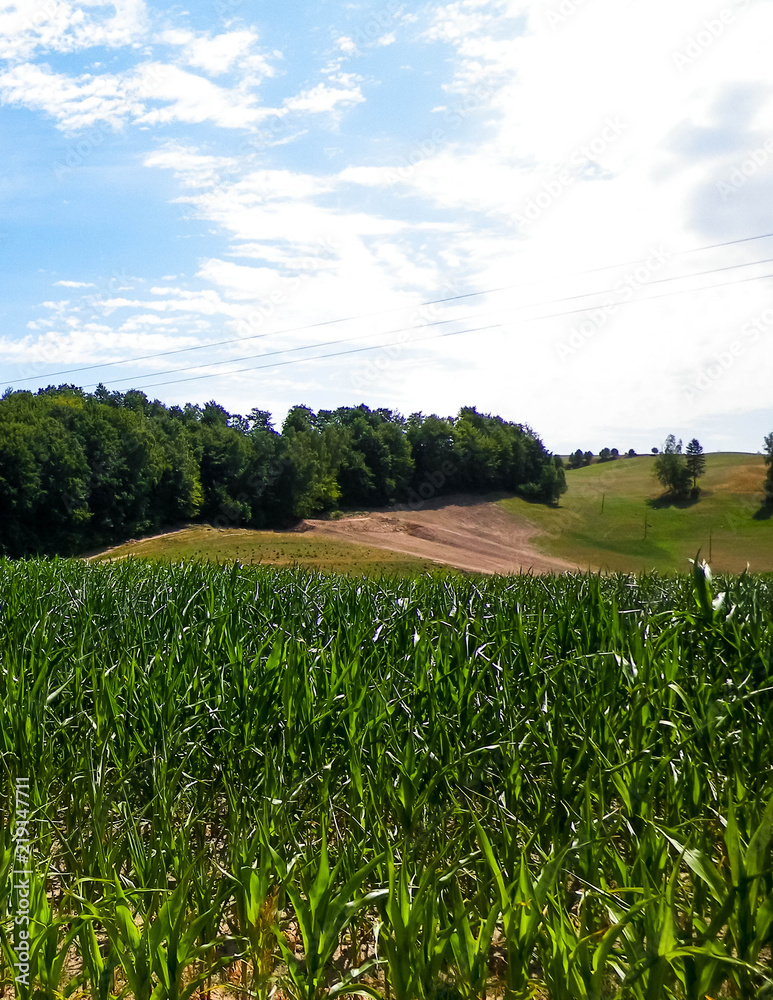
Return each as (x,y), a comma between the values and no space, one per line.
(646,525)
(602,502)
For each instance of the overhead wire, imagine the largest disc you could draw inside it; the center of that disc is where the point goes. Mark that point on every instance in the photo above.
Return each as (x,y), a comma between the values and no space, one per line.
(443,322)
(346,319)
(451,333)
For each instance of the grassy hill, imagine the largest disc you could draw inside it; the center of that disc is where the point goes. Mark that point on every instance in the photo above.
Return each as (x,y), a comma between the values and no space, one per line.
(600,522)
(274,548)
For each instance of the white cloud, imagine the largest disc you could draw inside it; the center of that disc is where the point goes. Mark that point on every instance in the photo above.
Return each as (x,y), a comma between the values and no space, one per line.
(27,26)
(152,93)
(156,93)
(324,98)
(219,54)
(347,45)
(75,103)
(74,284)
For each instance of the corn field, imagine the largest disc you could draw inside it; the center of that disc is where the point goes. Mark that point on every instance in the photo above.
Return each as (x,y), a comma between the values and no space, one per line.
(252,783)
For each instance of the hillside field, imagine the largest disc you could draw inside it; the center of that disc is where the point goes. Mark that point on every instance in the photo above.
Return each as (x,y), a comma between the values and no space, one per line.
(600,521)
(599,524)
(273,548)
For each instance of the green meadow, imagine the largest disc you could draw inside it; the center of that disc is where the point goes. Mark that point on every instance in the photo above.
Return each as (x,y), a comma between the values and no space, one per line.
(614,517)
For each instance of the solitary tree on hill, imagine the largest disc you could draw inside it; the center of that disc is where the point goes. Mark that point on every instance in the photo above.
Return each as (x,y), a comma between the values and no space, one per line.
(671,468)
(768,486)
(696,461)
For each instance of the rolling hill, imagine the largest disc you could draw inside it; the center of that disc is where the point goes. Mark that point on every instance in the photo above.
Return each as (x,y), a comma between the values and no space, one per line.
(614,517)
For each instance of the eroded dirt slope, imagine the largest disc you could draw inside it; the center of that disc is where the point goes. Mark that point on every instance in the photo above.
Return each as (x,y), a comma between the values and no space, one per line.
(460,531)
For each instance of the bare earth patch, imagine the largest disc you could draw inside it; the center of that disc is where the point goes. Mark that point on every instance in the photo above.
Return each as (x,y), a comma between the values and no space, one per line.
(461,531)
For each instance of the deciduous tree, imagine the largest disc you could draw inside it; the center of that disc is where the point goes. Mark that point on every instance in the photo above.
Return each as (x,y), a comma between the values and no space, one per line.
(696,461)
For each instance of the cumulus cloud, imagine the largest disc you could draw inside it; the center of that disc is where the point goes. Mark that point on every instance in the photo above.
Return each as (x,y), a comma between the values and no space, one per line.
(219,54)
(171,78)
(29,26)
(324,98)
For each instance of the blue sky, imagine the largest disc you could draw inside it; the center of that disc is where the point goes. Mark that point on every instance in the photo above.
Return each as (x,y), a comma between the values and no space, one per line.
(300,180)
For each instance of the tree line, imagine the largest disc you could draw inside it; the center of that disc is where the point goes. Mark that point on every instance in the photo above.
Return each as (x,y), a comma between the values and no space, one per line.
(579,459)
(82,469)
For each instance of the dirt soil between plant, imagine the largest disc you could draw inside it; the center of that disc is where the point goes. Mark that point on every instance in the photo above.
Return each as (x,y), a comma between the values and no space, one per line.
(461,531)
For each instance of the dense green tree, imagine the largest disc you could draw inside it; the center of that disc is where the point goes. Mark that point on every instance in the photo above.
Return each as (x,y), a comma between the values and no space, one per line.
(315,458)
(553,481)
(768,484)
(696,461)
(80,470)
(431,441)
(671,468)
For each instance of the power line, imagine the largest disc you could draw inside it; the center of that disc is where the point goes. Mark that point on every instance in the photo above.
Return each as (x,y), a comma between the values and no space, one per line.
(451,333)
(384,312)
(442,322)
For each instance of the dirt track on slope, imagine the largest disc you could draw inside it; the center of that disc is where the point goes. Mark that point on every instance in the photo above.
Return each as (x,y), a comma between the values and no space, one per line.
(460,531)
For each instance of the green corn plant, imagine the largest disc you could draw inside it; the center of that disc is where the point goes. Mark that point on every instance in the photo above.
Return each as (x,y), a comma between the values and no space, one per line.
(255,903)
(470,940)
(155,954)
(129,941)
(323,910)
(729,941)
(98,969)
(50,940)
(413,935)
(521,903)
